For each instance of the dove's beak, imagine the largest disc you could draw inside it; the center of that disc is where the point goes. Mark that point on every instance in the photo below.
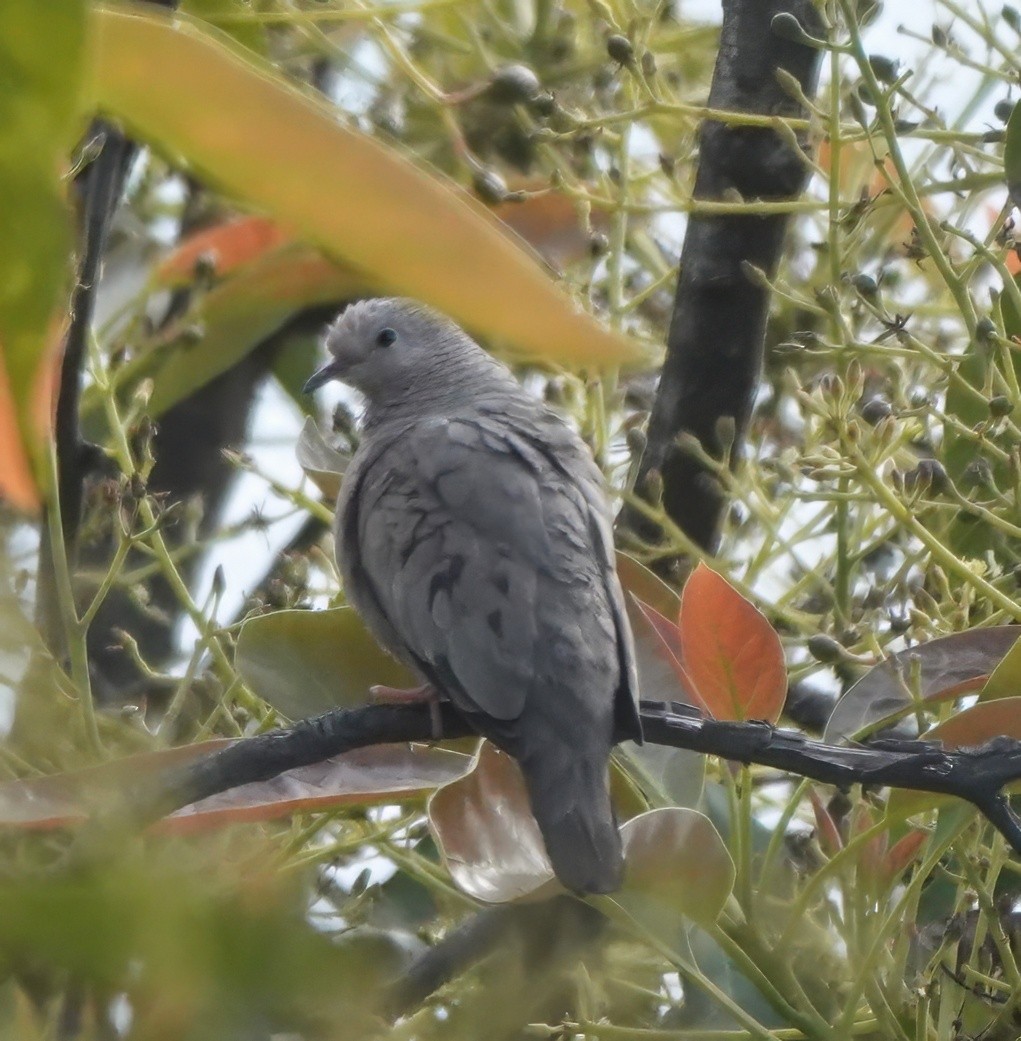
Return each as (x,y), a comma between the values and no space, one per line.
(321,376)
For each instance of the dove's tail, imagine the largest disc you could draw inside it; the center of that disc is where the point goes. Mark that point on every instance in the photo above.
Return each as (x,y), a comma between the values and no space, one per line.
(569,792)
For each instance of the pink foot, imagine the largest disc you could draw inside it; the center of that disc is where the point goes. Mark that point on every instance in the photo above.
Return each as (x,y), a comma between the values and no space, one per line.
(403,695)
(426,693)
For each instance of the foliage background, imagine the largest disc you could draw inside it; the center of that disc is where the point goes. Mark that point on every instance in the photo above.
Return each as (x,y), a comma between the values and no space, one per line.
(875,506)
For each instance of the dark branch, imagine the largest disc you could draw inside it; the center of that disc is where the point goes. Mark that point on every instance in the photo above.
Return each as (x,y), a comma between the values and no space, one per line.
(99,189)
(714,348)
(975,774)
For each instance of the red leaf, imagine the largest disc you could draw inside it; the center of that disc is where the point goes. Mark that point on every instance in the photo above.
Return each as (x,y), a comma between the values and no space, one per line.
(826,829)
(668,636)
(732,656)
(901,854)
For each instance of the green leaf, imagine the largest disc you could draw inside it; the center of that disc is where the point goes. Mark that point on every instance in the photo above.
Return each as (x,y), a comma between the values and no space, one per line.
(366,204)
(1012,155)
(218,935)
(677,864)
(42,58)
(297,357)
(307,662)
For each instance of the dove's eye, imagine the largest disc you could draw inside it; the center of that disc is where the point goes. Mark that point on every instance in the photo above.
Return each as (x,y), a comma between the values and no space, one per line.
(385,337)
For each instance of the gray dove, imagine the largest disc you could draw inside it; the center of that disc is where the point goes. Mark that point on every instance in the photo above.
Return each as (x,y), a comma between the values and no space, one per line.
(473,537)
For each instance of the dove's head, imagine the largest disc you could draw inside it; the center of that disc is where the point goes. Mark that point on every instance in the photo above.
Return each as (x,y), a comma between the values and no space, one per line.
(398,351)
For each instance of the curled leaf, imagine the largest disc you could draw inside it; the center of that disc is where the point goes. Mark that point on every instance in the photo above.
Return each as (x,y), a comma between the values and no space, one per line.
(487,835)
(323,464)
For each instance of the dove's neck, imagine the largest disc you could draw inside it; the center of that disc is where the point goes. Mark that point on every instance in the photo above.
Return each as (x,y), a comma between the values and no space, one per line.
(438,393)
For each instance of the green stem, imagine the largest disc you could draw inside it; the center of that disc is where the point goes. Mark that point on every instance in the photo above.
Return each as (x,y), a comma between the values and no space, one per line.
(74,629)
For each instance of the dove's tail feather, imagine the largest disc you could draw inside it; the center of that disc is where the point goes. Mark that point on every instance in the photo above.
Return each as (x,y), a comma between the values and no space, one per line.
(570,797)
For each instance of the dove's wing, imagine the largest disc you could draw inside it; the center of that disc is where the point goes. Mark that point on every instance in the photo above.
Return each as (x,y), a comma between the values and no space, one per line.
(481,557)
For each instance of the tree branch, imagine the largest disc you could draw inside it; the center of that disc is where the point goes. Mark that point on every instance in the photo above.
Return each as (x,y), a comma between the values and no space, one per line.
(715,343)
(975,774)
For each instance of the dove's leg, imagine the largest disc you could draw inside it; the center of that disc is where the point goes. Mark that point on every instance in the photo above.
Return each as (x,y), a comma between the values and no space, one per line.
(425,692)
(403,695)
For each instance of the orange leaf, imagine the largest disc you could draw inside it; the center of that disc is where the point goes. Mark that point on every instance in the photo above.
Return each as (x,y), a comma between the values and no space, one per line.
(732,656)
(229,245)
(17,485)
(979,723)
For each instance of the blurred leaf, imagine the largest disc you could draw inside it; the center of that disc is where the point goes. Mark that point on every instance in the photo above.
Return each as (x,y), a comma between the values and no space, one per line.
(42,55)
(967,535)
(239,314)
(979,723)
(17,482)
(200,947)
(248,33)
(408,231)
(59,800)
(297,357)
(487,835)
(731,654)
(677,864)
(323,465)
(870,853)
(549,222)
(363,777)
(945,668)
(1005,680)
(306,662)
(224,247)
(1012,156)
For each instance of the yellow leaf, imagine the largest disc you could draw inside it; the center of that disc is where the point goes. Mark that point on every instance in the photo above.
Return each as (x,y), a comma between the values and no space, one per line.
(364,203)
